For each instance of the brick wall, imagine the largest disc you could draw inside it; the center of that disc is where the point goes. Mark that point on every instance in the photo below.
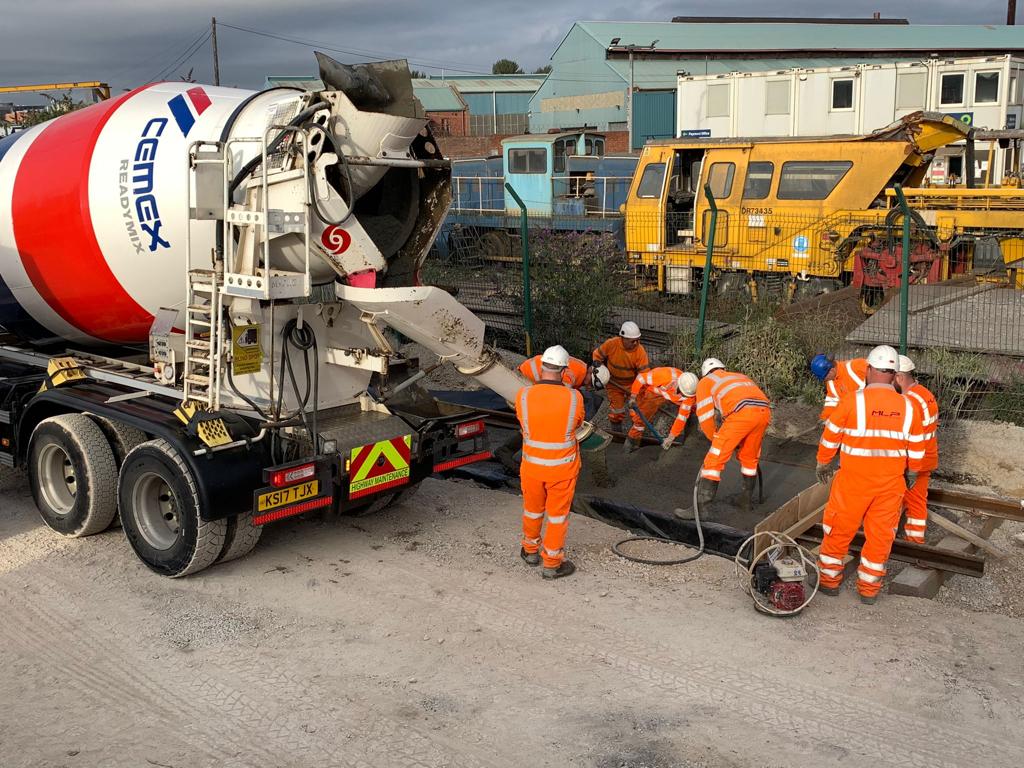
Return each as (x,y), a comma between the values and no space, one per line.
(616,143)
(458,147)
(449,123)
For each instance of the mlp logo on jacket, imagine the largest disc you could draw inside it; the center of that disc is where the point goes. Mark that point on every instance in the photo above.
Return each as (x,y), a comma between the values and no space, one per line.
(379,466)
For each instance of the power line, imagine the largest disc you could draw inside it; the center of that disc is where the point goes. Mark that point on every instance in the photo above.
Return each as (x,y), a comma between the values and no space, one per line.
(182,58)
(155,57)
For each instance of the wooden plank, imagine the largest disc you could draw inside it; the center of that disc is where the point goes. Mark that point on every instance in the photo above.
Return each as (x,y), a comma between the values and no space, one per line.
(966,535)
(790,514)
(808,521)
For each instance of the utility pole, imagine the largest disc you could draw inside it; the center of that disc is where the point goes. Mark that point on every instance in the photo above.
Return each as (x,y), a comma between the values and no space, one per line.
(629,100)
(216,59)
(1011,12)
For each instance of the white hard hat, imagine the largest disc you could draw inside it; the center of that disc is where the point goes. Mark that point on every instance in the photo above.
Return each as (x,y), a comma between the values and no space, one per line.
(602,376)
(711,364)
(884,358)
(556,357)
(629,330)
(906,364)
(687,384)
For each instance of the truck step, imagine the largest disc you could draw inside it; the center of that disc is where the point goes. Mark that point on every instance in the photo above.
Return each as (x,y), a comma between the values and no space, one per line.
(198,380)
(203,346)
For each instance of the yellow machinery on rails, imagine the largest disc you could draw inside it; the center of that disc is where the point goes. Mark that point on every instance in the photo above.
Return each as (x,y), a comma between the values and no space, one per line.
(802,216)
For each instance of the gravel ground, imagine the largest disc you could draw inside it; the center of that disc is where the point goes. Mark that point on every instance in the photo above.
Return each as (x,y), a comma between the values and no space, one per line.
(417,637)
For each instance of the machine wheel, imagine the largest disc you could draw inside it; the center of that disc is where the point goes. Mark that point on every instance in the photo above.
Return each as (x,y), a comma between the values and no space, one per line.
(159,503)
(494,245)
(871,299)
(240,538)
(73,475)
(122,438)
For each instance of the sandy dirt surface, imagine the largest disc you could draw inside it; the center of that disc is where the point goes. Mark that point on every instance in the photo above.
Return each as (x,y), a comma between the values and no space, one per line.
(416,637)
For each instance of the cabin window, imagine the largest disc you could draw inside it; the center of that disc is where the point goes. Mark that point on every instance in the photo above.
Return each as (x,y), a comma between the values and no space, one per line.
(811,180)
(652,180)
(720,179)
(561,148)
(951,90)
(759,181)
(776,97)
(986,87)
(527,161)
(910,89)
(842,94)
(718,100)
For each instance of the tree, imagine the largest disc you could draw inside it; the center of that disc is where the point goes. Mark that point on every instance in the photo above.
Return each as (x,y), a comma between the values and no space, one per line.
(417,73)
(59,105)
(506,67)
(545,70)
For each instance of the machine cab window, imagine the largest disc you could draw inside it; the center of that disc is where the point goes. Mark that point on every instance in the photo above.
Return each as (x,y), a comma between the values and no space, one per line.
(651,181)
(528,161)
(811,180)
(759,180)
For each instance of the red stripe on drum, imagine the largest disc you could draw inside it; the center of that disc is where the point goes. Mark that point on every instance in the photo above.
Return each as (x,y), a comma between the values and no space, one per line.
(54,232)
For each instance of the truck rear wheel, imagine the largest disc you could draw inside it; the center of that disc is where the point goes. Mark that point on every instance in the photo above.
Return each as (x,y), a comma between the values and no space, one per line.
(73,475)
(122,438)
(159,502)
(241,537)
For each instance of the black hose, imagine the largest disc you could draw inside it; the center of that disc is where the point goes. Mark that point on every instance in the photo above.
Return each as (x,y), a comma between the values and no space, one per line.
(304,340)
(664,539)
(351,202)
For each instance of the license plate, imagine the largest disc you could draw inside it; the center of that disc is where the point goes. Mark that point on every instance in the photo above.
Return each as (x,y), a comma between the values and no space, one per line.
(286,496)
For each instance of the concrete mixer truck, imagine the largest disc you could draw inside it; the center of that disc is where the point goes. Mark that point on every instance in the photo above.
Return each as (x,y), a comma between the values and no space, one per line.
(201,288)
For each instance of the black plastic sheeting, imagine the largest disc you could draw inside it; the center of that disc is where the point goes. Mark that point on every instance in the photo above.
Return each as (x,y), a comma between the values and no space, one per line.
(722,540)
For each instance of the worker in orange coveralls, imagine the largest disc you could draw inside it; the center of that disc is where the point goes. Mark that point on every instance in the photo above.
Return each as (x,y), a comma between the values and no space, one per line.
(841,377)
(882,449)
(652,388)
(549,414)
(746,414)
(625,358)
(926,410)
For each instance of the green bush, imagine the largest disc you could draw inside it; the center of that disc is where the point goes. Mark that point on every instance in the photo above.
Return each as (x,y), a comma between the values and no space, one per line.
(576,281)
(1007,402)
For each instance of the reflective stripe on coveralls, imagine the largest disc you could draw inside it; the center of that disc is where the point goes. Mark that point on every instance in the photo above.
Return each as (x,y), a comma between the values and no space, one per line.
(573,376)
(877,439)
(746,414)
(653,387)
(623,367)
(915,501)
(850,377)
(549,415)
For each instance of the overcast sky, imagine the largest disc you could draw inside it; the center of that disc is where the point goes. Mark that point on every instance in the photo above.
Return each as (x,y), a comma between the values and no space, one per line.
(127,43)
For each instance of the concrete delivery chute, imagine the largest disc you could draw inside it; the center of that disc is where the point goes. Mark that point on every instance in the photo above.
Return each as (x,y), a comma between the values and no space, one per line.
(238,255)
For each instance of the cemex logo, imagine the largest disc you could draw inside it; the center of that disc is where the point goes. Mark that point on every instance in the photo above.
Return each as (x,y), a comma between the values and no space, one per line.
(186,110)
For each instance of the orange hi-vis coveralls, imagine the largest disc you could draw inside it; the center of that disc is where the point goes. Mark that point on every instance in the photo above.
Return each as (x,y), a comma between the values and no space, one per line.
(878,438)
(574,375)
(915,501)
(624,367)
(850,376)
(549,414)
(651,388)
(746,414)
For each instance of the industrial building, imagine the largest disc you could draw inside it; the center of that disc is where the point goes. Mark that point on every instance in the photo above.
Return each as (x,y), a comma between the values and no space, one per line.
(985,92)
(598,62)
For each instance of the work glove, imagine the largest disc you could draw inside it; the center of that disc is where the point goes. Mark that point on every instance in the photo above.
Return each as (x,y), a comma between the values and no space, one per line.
(667,442)
(911,478)
(631,403)
(823,473)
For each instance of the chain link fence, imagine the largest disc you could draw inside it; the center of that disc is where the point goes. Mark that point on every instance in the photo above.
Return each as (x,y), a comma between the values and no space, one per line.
(781,288)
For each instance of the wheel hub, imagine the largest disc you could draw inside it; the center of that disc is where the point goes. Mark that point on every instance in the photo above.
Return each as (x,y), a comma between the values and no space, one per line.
(155,511)
(57,480)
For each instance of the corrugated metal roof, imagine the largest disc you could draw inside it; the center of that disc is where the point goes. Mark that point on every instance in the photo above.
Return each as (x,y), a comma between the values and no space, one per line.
(433,99)
(806,37)
(305,82)
(484,84)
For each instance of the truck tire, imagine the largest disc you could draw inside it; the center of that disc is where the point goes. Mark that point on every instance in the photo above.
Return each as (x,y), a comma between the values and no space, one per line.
(122,438)
(241,537)
(73,475)
(159,503)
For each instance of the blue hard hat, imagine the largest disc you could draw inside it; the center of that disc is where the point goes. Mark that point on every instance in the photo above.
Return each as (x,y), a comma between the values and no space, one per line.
(821,365)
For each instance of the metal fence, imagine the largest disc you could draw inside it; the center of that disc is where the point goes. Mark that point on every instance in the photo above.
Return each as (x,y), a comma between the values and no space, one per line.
(780,288)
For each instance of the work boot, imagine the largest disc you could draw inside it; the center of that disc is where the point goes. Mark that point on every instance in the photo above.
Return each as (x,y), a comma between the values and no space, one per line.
(507,459)
(743,500)
(629,445)
(830,591)
(706,491)
(869,599)
(530,558)
(565,568)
